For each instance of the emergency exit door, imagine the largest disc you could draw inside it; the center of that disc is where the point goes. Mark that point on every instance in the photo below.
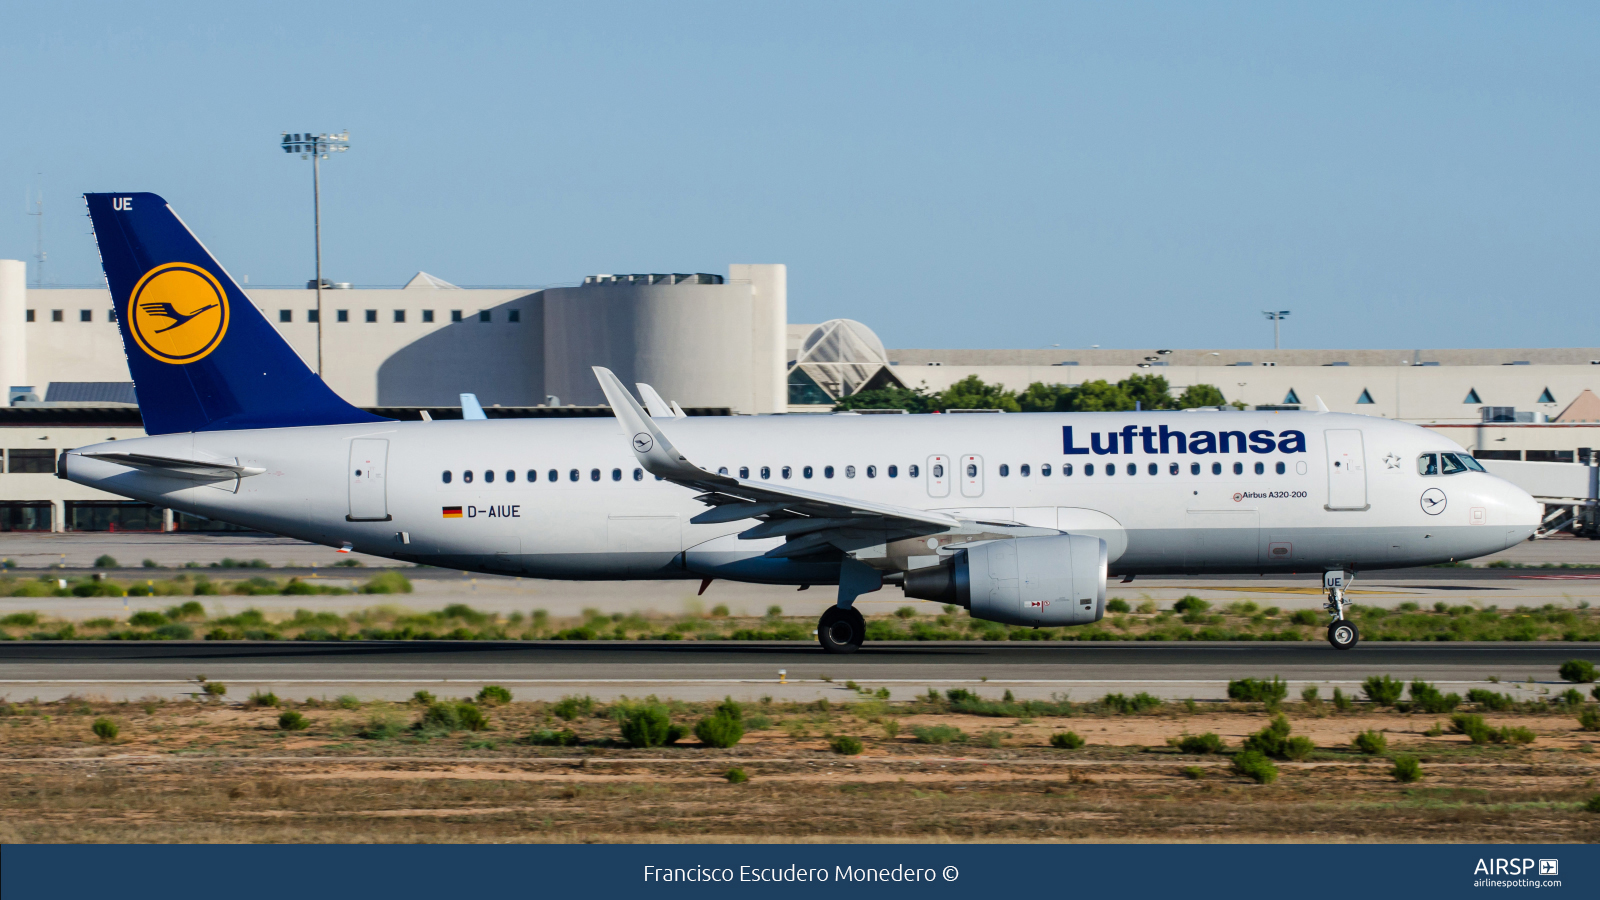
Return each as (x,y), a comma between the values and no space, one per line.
(1347,469)
(369,496)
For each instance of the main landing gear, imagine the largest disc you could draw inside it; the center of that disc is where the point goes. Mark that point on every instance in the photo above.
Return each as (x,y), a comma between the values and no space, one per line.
(1342,633)
(841,630)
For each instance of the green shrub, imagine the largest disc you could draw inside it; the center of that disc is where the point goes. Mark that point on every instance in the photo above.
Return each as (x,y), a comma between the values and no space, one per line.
(1138,703)
(1200,743)
(257,698)
(493,695)
(106,561)
(424,697)
(1569,697)
(174,631)
(1406,769)
(189,609)
(1516,734)
(1308,695)
(1592,804)
(471,717)
(992,739)
(347,701)
(1427,698)
(1577,671)
(1190,604)
(382,727)
(289,720)
(147,618)
(443,716)
(151,564)
(1491,699)
(1270,740)
(21,619)
(1372,743)
(570,708)
(387,583)
(1066,740)
(545,737)
(1253,764)
(845,745)
(1298,748)
(1303,617)
(645,726)
(1194,772)
(1382,690)
(105,729)
(1473,727)
(1589,719)
(938,734)
(736,776)
(1118,605)
(214,688)
(1257,690)
(719,730)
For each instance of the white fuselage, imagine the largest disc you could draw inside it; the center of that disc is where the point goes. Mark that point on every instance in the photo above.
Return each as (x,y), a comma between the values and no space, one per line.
(1349,494)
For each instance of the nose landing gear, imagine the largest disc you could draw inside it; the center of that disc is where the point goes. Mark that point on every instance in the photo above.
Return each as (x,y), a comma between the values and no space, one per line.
(1342,633)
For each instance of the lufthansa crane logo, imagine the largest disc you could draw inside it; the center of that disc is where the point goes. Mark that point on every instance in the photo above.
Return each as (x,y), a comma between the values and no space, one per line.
(178,313)
(643,442)
(1434,501)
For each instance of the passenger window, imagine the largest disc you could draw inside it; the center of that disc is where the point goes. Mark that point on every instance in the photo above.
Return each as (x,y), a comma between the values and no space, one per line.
(554,475)
(849,471)
(806,471)
(594,474)
(1216,468)
(972,470)
(894,472)
(1261,468)
(572,475)
(1238,468)
(744,472)
(722,470)
(1154,469)
(488,476)
(766,473)
(446,476)
(1044,471)
(1428,464)
(466,476)
(1005,470)
(787,472)
(1173,469)
(638,474)
(533,475)
(511,475)
(911,471)
(1133,469)
(1194,468)
(1088,468)
(827,471)
(1024,470)
(616,474)
(1449,465)
(1280,468)
(872,471)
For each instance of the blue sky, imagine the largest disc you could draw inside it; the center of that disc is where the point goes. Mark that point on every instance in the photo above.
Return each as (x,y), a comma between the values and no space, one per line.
(954,175)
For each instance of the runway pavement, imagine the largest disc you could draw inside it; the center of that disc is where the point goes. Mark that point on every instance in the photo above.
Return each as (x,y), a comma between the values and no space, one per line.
(700,670)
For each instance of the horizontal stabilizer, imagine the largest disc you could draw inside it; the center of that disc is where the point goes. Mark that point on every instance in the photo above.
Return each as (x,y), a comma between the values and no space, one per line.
(197,469)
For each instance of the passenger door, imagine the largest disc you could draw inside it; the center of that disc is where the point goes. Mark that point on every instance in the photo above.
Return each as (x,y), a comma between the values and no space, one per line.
(1347,469)
(369,498)
(939,476)
(971,476)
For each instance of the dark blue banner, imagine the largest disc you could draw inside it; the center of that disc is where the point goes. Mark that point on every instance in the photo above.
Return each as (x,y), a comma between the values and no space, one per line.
(1189,871)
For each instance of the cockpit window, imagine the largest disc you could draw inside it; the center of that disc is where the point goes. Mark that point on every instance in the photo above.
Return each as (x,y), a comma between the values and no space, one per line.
(1428,464)
(1471,462)
(1447,464)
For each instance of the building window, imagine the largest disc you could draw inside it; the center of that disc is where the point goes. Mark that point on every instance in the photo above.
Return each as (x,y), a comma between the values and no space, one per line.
(31,461)
(111,314)
(455,315)
(57,315)
(312,316)
(1472,396)
(27,515)
(1366,397)
(87,315)
(112,515)
(30,315)
(514,316)
(372,315)
(427,316)
(342,315)
(1291,397)
(285,315)
(399,315)
(484,315)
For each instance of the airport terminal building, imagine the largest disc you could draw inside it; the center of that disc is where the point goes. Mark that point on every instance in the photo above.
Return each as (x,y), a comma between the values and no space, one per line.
(715,344)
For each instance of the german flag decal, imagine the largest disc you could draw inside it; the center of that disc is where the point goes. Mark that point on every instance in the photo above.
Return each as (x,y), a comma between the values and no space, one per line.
(452,512)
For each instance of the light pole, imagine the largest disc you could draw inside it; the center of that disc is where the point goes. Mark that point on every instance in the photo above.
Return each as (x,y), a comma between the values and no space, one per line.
(316,147)
(1276,317)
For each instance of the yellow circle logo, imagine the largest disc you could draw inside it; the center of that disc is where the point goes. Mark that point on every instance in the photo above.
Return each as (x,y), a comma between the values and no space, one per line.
(178,313)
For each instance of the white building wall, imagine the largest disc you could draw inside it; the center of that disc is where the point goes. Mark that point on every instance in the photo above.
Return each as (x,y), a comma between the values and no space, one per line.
(13,336)
(769,333)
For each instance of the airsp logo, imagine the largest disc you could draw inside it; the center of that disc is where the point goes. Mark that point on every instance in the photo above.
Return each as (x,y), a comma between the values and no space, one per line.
(1433,501)
(178,313)
(643,442)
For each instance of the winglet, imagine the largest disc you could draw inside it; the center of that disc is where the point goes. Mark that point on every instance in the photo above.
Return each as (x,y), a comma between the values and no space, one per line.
(677,411)
(471,408)
(652,401)
(1322,407)
(654,452)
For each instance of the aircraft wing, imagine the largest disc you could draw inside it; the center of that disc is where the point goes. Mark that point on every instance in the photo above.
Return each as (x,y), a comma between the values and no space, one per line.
(810,521)
(203,470)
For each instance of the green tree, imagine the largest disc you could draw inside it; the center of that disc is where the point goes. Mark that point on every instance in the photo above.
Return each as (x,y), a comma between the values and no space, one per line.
(916,400)
(1094,396)
(1197,395)
(1041,397)
(1151,391)
(972,393)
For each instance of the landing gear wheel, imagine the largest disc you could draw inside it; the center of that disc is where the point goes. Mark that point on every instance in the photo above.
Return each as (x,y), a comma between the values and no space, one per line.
(841,630)
(1343,634)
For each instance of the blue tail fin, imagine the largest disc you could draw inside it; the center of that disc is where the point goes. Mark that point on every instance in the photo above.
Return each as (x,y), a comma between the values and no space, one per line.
(202,356)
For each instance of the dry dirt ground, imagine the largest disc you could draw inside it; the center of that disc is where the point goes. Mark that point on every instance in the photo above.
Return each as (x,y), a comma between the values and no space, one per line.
(193,772)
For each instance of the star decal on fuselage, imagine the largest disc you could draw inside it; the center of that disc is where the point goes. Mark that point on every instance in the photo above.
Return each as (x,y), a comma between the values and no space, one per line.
(1392,461)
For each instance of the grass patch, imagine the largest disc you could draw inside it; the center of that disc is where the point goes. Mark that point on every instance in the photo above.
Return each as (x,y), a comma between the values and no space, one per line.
(938,734)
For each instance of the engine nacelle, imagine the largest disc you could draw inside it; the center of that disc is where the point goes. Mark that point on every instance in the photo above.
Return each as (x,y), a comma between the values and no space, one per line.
(1040,581)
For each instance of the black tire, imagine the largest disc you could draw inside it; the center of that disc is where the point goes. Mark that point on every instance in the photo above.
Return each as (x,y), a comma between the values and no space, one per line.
(841,630)
(1343,634)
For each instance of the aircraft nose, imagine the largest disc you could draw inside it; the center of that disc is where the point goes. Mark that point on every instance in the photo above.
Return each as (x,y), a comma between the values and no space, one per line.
(1522,512)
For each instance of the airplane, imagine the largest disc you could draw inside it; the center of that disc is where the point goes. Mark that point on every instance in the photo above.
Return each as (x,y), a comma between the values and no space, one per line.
(1020,519)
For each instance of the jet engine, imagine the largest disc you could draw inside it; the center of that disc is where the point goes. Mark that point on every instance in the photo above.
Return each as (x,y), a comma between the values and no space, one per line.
(1040,581)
